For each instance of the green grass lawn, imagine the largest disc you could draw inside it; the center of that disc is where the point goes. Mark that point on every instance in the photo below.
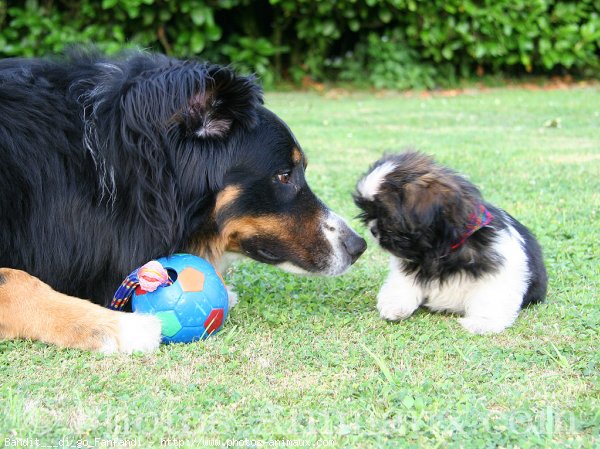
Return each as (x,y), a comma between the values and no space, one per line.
(309,359)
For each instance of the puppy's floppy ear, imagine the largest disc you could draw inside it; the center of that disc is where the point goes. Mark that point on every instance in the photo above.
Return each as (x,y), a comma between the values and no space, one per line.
(433,197)
(222,99)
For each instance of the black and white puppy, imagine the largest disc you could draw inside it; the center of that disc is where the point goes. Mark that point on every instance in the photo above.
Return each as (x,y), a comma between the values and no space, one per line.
(451,250)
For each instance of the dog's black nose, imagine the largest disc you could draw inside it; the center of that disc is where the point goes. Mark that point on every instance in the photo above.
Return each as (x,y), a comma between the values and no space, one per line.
(355,245)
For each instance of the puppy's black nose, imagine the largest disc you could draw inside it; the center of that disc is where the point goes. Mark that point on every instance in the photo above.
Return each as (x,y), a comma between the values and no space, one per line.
(355,245)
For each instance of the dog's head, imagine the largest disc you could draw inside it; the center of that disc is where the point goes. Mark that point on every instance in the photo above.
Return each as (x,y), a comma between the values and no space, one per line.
(208,167)
(267,211)
(414,207)
(259,203)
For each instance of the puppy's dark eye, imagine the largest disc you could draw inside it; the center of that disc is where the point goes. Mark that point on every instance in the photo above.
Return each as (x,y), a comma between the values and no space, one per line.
(284,178)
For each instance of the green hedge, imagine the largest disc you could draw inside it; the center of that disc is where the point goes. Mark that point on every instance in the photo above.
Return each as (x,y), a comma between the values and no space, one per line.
(383,43)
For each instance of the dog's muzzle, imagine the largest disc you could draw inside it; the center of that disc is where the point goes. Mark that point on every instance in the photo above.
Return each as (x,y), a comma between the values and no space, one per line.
(346,245)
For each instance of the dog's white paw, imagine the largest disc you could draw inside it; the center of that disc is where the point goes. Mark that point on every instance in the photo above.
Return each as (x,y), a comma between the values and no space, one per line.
(394,312)
(399,296)
(483,326)
(137,332)
(393,308)
(233,297)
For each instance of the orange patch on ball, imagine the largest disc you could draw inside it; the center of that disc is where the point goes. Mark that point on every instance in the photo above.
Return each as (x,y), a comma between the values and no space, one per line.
(191,280)
(221,277)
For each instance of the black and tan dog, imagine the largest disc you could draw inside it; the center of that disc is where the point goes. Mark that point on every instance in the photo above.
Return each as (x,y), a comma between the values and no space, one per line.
(108,163)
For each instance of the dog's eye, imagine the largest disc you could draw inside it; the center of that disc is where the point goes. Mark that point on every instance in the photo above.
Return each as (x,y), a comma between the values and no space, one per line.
(284,178)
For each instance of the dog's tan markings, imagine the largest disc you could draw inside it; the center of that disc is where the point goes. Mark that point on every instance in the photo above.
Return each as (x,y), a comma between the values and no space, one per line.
(212,248)
(226,197)
(30,309)
(246,227)
(300,236)
(297,156)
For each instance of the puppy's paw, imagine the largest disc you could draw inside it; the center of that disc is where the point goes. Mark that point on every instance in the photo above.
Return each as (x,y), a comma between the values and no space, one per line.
(394,313)
(137,332)
(484,326)
(393,308)
(233,297)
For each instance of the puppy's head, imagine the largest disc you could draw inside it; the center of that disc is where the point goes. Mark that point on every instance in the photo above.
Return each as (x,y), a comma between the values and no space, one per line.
(412,206)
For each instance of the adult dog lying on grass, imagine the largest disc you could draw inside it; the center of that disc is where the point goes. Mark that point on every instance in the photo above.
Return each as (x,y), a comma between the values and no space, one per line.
(108,163)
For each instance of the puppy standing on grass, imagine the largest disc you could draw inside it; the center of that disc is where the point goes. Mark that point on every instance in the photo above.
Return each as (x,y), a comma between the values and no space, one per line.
(451,251)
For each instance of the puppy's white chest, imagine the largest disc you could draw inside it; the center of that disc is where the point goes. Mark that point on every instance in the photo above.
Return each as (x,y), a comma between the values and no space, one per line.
(451,296)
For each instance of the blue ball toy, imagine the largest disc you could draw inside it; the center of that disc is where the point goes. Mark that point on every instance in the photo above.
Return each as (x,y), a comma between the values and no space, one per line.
(192,303)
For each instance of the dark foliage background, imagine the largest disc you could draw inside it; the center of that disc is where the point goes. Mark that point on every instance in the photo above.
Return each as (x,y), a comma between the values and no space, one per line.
(380,43)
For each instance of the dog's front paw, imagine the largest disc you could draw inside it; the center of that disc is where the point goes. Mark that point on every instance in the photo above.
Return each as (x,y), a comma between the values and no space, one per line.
(394,312)
(483,326)
(137,332)
(393,308)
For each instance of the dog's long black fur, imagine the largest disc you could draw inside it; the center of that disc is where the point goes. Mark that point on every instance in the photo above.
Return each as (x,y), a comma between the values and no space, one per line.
(100,169)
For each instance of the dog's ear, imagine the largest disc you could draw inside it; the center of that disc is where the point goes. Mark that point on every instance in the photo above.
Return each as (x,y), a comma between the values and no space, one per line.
(436,199)
(221,100)
(207,100)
